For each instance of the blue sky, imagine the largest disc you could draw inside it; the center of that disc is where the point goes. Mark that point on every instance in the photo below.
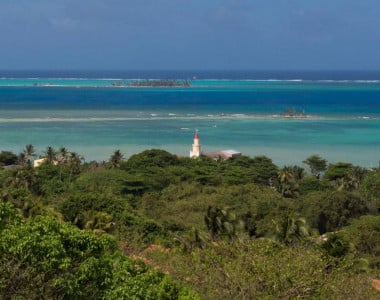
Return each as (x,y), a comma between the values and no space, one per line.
(190,34)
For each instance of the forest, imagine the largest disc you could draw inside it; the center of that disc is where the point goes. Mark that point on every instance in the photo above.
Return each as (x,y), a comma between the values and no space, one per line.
(159,226)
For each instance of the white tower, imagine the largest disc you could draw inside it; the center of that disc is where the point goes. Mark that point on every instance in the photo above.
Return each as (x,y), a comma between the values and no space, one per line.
(196,150)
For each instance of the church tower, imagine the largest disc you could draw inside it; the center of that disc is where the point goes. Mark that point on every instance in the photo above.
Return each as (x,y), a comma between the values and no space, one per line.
(196,150)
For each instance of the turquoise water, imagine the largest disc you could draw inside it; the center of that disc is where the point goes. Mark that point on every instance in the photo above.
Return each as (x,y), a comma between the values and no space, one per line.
(91,117)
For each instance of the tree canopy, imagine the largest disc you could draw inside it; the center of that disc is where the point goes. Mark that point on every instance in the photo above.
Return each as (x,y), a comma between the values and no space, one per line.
(159,226)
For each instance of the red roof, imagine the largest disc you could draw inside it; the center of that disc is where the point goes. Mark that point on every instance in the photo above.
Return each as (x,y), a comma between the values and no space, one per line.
(196,136)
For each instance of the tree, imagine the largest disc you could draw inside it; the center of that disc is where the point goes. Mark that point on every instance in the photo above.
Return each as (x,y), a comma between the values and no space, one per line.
(298,172)
(364,233)
(221,222)
(337,171)
(62,155)
(352,179)
(316,164)
(29,152)
(22,158)
(51,155)
(371,189)
(25,178)
(291,230)
(311,184)
(287,181)
(98,222)
(116,159)
(74,162)
(151,158)
(336,245)
(331,210)
(8,158)
(265,169)
(42,258)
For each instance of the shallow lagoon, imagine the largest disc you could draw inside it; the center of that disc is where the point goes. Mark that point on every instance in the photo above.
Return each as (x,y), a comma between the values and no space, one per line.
(94,121)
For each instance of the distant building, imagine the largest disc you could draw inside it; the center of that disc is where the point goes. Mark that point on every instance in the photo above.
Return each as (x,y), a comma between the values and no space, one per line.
(223,154)
(196,149)
(40,161)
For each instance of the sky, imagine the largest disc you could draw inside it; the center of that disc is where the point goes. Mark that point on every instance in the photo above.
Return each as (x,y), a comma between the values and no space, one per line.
(190,34)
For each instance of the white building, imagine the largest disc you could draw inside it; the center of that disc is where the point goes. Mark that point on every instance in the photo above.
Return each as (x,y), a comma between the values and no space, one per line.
(222,154)
(196,150)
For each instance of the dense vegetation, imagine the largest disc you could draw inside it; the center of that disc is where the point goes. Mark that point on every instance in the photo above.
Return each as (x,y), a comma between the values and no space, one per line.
(158,226)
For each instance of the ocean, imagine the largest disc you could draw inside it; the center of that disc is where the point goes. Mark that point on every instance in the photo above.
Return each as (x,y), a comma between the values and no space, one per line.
(242,110)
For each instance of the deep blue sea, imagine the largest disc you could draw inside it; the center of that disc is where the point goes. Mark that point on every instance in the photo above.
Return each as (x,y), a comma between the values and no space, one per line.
(242,110)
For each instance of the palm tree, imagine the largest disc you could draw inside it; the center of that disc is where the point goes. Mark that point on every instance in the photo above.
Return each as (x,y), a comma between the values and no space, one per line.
(336,245)
(292,230)
(316,164)
(287,183)
(298,172)
(25,178)
(98,222)
(191,239)
(221,222)
(29,151)
(63,154)
(28,154)
(352,180)
(51,155)
(116,159)
(22,158)
(74,162)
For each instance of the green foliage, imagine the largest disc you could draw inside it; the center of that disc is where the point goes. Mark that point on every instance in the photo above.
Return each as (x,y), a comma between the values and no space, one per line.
(316,164)
(266,170)
(98,222)
(44,259)
(371,189)
(331,210)
(150,158)
(158,198)
(8,215)
(144,231)
(264,269)
(338,171)
(336,245)
(102,182)
(364,233)
(8,158)
(76,206)
(5,178)
(292,230)
(22,178)
(29,151)
(221,221)
(240,161)
(269,213)
(311,184)
(116,159)
(51,154)
(186,203)
(51,178)
(27,205)
(135,280)
(288,178)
